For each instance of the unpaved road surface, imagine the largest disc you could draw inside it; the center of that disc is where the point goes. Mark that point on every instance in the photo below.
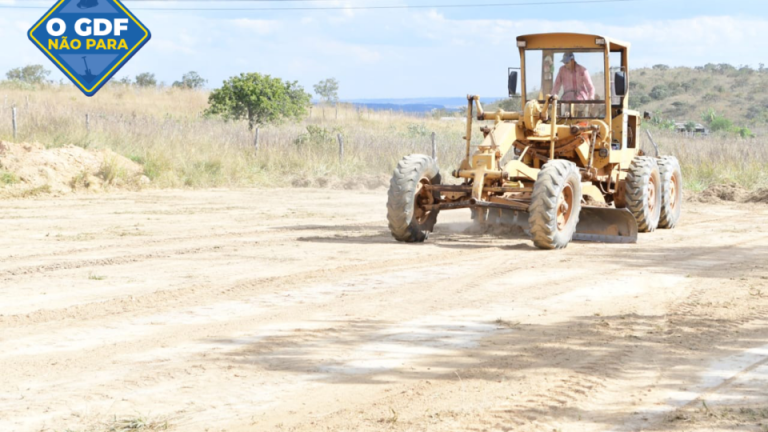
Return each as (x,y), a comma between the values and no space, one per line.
(294,310)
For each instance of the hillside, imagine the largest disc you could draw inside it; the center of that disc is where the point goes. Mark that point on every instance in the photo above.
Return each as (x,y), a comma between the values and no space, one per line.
(720,96)
(685,94)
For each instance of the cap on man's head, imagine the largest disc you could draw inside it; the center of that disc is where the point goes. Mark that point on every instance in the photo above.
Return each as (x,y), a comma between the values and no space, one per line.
(567,57)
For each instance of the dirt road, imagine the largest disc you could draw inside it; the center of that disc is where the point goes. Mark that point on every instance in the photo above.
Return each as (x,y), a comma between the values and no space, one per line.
(294,310)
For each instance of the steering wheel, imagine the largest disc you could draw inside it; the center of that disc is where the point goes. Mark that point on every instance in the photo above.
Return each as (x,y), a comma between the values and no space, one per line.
(569,91)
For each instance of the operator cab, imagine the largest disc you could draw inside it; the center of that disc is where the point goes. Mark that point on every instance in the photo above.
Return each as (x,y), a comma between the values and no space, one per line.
(577,68)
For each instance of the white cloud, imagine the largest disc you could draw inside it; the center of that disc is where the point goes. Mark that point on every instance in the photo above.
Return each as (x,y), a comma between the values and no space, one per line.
(23,26)
(170,46)
(258,26)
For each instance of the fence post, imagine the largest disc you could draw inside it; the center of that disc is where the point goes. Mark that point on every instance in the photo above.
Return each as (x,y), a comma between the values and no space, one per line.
(27,96)
(341,147)
(434,146)
(337,110)
(310,111)
(256,139)
(87,122)
(14,123)
(5,102)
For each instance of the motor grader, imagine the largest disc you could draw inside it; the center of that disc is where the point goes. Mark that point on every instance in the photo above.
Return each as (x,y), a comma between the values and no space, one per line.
(567,166)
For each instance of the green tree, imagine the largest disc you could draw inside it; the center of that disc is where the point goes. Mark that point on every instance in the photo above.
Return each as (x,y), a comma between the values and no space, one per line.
(146,79)
(191,80)
(259,99)
(690,126)
(32,74)
(328,90)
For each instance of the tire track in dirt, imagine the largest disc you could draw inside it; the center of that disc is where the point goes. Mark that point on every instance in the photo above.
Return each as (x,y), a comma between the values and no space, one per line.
(196,237)
(189,295)
(133,258)
(591,377)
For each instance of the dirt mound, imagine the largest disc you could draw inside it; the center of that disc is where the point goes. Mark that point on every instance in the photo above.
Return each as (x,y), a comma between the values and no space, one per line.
(758,196)
(30,169)
(722,192)
(730,192)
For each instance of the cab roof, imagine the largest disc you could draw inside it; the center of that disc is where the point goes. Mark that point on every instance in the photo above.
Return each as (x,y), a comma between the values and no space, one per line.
(569,41)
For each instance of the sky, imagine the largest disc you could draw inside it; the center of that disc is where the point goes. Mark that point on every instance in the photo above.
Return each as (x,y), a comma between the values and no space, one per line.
(401,53)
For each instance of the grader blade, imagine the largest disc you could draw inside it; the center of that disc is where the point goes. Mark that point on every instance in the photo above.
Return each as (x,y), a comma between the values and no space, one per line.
(606,225)
(510,218)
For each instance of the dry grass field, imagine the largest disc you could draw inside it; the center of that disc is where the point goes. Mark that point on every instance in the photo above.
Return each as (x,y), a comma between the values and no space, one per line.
(165,132)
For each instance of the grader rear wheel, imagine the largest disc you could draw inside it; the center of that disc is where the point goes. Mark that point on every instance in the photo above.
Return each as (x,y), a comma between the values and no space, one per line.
(555,205)
(408,220)
(643,192)
(671,191)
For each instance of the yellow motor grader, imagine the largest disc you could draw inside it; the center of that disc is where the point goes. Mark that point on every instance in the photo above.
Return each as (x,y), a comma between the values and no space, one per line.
(568,166)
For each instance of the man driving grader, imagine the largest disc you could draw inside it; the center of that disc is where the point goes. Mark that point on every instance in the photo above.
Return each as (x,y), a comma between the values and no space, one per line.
(574,80)
(567,166)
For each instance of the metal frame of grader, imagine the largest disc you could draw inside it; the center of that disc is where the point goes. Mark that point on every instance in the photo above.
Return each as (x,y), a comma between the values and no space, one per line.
(536,136)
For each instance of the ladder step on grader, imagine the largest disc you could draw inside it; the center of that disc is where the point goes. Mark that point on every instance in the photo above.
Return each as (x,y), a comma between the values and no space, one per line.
(566,167)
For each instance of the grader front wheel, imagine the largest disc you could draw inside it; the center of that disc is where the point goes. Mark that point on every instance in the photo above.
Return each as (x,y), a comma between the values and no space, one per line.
(555,205)
(408,220)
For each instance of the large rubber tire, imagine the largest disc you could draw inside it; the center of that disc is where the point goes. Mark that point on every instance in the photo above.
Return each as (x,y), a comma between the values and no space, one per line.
(552,224)
(412,172)
(643,192)
(671,191)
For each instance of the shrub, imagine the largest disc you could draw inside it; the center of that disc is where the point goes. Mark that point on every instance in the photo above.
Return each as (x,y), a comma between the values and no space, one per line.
(720,123)
(146,79)
(190,80)
(659,92)
(259,99)
(30,74)
(639,100)
(318,136)
(745,132)
(417,130)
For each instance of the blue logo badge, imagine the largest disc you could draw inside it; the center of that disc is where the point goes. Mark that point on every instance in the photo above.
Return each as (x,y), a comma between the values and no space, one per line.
(89,40)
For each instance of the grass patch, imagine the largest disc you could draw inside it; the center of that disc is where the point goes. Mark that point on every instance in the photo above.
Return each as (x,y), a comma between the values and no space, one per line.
(131,423)
(137,423)
(35,191)
(92,276)
(81,180)
(8,178)
(111,171)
